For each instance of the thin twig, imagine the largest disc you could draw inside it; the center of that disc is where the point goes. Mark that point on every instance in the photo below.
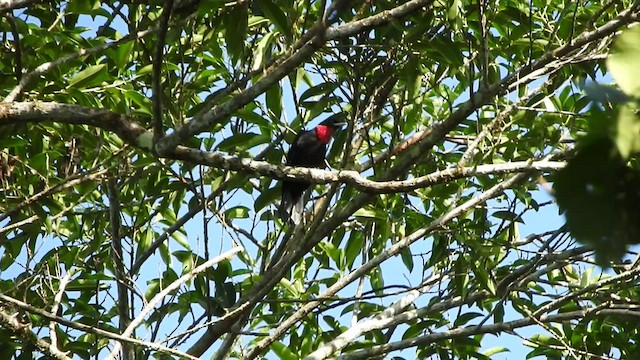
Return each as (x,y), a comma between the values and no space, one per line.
(53,334)
(164,292)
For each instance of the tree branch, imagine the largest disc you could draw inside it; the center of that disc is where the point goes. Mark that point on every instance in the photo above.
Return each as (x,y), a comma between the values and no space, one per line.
(118,259)
(344,339)
(158,128)
(597,285)
(66,184)
(55,307)
(164,292)
(86,328)
(8,5)
(386,254)
(485,329)
(275,73)
(11,322)
(127,129)
(43,68)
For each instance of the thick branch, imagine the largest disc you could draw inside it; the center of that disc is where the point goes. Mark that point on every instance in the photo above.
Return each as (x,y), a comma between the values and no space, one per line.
(136,135)
(352,177)
(22,112)
(377,20)
(8,5)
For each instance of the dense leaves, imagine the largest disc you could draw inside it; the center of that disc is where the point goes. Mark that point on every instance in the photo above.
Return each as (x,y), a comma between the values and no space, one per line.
(471,115)
(600,187)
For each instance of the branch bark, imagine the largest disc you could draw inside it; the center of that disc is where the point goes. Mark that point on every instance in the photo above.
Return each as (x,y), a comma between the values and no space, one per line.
(8,5)
(136,135)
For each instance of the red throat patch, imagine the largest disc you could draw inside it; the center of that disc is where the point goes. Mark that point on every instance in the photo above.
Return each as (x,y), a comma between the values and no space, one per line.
(324,133)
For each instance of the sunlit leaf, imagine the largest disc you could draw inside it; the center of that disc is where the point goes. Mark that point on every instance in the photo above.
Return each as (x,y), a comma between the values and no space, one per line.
(622,62)
(90,76)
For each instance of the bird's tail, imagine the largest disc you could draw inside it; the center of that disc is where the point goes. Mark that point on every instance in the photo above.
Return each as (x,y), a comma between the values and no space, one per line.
(291,209)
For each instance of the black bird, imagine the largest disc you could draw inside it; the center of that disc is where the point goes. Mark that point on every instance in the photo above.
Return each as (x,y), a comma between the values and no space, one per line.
(308,150)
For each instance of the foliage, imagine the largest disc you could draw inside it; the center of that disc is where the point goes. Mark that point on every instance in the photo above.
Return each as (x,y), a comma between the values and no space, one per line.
(599,186)
(141,151)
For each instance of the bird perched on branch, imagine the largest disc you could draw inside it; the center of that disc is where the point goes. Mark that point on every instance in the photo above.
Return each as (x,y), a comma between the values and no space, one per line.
(308,150)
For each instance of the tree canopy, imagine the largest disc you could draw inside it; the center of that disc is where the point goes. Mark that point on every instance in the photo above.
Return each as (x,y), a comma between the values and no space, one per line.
(141,153)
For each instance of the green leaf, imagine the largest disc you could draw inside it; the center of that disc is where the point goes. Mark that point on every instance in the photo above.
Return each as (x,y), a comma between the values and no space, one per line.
(237,212)
(627,136)
(89,282)
(276,15)
(507,215)
(166,66)
(377,281)
(262,51)
(407,258)
(623,61)
(145,241)
(370,212)
(465,318)
(122,54)
(244,141)
(144,103)
(147,69)
(266,198)
(498,313)
(282,351)
(186,258)
(90,76)
(353,248)
(320,89)
(331,251)
(274,101)
(163,249)
(236,22)
(226,294)
(222,271)
(153,287)
(83,6)
(254,118)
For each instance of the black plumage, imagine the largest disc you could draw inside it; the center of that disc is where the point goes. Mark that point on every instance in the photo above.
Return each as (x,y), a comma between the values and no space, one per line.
(307,150)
